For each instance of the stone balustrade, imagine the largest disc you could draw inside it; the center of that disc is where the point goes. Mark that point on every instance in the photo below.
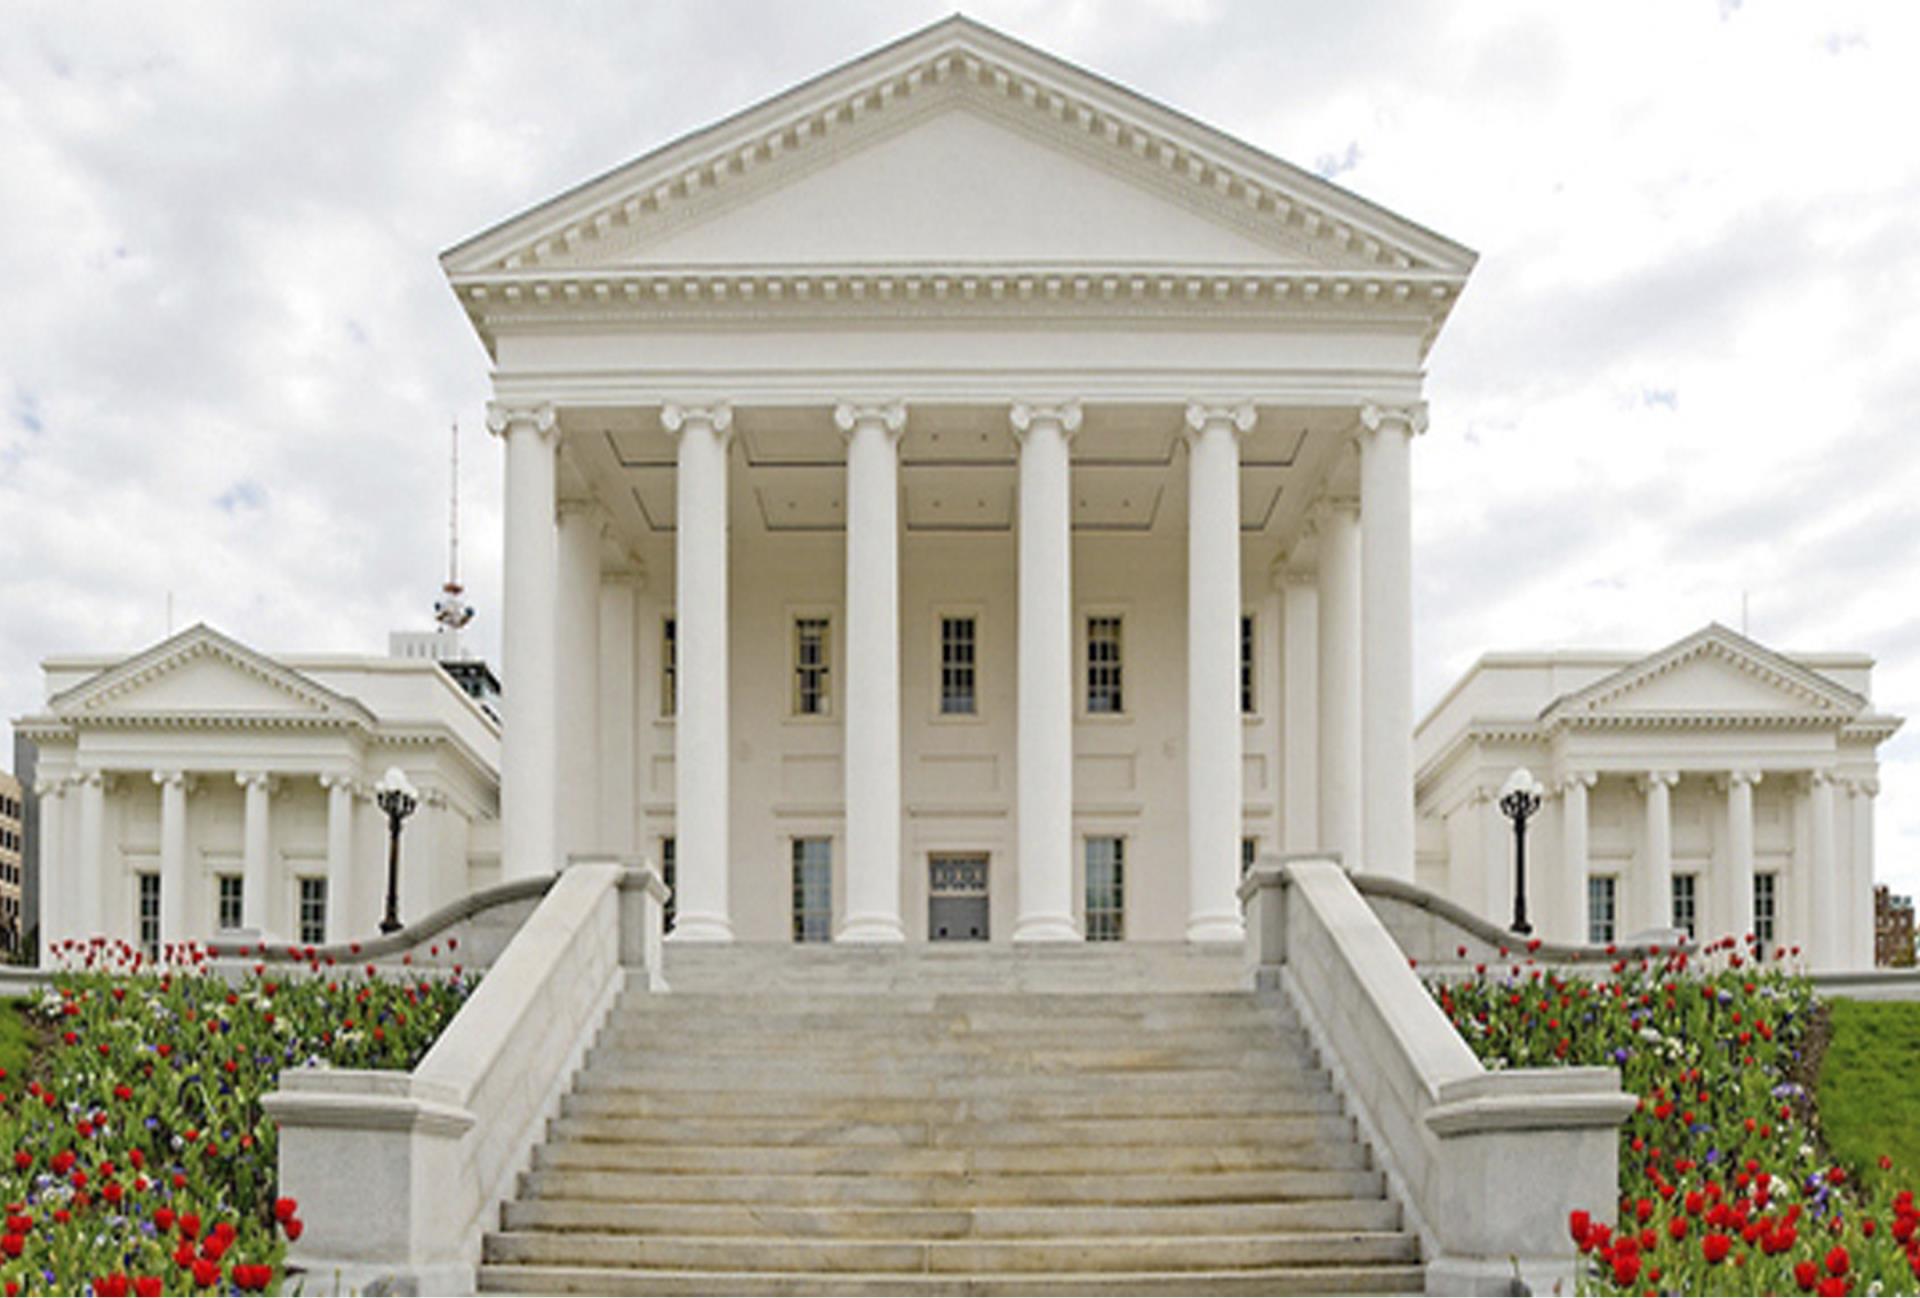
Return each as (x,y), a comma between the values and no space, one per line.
(1487,1165)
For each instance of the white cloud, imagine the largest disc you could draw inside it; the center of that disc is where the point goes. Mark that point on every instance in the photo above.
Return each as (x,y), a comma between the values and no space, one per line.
(1683,371)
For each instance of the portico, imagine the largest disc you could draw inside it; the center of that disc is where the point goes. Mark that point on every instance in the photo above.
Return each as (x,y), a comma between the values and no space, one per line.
(993,463)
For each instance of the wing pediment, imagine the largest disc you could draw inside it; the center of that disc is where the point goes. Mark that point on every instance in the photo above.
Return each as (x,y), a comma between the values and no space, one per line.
(1713,673)
(202,673)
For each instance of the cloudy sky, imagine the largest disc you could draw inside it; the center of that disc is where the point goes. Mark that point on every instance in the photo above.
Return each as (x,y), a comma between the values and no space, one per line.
(1686,376)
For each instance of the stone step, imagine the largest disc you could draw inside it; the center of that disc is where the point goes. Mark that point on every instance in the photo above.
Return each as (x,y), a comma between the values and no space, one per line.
(948,1223)
(950,1257)
(1250,1099)
(882,1160)
(876,1013)
(659,1074)
(834,1133)
(649,1059)
(981,1190)
(725,1039)
(1280,1281)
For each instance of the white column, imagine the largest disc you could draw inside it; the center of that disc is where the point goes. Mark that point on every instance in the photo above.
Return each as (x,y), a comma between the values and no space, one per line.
(1214,742)
(619,713)
(1656,875)
(1300,711)
(256,838)
(1337,524)
(529,725)
(1495,833)
(1386,635)
(1736,910)
(1860,899)
(57,891)
(1574,853)
(702,739)
(577,652)
(341,806)
(173,855)
(1824,895)
(873,671)
(90,897)
(1043,747)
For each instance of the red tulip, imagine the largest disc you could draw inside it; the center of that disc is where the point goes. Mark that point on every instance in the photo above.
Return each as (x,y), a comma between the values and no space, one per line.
(1838,1261)
(1715,1246)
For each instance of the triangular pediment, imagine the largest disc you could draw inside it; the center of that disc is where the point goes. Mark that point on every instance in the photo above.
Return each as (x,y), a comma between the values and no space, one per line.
(957,145)
(202,673)
(1714,672)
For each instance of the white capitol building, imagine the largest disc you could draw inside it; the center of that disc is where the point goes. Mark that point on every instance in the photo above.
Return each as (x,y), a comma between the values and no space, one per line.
(959,498)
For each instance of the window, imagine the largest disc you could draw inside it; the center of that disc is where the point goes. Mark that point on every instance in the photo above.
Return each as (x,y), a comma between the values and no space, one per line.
(1249,849)
(1246,665)
(149,914)
(812,650)
(1684,893)
(812,889)
(667,877)
(669,668)
(958,649)
(1106,889)
(232,894)
(1103,665)
(313,911)
(1764,914)
(1600,889)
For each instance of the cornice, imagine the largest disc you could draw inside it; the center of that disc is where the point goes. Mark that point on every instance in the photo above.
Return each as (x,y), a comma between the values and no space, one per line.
(1825,697)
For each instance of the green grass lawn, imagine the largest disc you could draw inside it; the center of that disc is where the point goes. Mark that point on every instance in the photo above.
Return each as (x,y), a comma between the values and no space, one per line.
(1869,1087)
(15,1043)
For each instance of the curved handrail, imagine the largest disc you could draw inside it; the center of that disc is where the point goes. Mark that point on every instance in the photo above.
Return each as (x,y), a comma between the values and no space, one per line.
(1380,885)
(394,943)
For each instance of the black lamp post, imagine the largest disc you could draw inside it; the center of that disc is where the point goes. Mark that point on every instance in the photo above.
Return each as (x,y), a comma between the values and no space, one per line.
(398,799)
(1520,799)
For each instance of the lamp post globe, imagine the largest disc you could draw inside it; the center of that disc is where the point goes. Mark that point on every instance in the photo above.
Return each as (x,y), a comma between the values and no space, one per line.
(397,797)
(1520,798)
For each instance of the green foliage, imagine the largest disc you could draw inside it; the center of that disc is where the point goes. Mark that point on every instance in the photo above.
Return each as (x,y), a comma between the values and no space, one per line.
(138,1158)
(1724,1186)
(1869,1085)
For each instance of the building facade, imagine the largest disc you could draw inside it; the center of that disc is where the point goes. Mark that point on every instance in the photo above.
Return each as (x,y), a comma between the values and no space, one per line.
(1892,929)
(200,787)
(13,843)
(957,493)
(1715,786)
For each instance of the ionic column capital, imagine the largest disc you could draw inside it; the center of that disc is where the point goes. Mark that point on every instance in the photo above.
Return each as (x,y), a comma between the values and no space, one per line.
(51,786)
(331,780)
(1867,786)
(1292,568)
(504,417)
(1410,419)
(1572,780)
(586,509)
(1656,779)
(255,779)
(1064,415)
(1821,779)
(93,779)
(1332,504)
(716,417)
(1746,779)
(1201,416)
(185,781)
(889,416)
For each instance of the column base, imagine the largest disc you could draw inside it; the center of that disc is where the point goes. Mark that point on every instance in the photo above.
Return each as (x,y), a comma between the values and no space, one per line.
(1216,928)
(701,928)
(1046,928)
(871,930)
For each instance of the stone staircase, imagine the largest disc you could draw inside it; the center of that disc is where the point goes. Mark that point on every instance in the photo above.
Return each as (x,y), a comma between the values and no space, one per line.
(965,1120)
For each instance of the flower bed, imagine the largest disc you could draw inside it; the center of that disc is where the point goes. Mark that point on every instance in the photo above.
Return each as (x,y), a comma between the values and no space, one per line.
(139,1160)
(1724,1186)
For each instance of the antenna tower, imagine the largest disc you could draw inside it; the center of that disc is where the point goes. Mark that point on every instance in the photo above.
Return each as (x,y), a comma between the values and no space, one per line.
(450,611)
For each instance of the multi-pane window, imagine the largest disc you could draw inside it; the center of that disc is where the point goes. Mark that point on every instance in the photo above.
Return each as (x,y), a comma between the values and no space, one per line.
(959,650)
(1765,899)
(1106,889)
(1246,665)
(1104,693)
(313,911)
(232,901)
(1600,898)
(669,667)
(812,653)
(667,876)
(1685,909)
(150,914)
(812,889)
